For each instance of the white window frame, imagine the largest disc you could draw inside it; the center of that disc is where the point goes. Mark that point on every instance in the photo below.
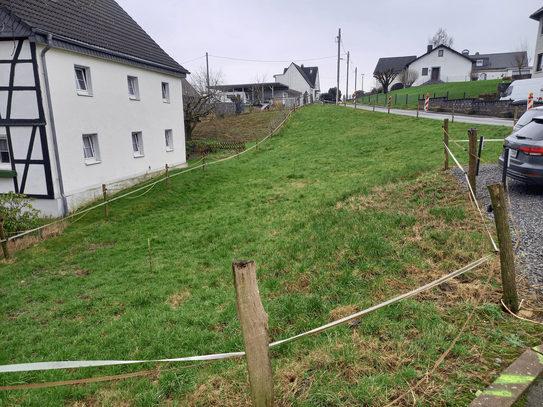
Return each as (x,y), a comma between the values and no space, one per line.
(168,135)
(4,165)
(440,53)
(479,62)
(91,149)
(423,72)
(165,88)
(83,84)
(137,144)
(133,88)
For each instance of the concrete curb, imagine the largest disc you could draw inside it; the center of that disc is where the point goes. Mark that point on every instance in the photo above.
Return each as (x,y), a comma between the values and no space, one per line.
(513,382)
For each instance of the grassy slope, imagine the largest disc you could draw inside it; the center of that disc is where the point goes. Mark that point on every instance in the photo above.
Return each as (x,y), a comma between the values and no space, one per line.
(330,235)
(456,91)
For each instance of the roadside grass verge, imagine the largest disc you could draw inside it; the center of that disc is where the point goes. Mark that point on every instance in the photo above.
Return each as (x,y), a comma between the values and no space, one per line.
(455,90)
(342,210)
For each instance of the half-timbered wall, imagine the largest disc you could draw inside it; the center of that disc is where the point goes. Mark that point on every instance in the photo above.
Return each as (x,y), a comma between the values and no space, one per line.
(22,122)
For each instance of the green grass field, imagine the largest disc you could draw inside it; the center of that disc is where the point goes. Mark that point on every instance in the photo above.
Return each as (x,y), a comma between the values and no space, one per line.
(342,210)
(454,90)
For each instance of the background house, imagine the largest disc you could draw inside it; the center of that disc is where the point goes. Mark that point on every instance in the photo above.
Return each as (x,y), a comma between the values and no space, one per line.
(86,98)
(496,66)
(537,70)
(396,65)
(301,79)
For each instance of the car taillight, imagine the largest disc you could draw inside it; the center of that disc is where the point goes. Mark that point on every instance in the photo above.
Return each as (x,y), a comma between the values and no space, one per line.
(532,150)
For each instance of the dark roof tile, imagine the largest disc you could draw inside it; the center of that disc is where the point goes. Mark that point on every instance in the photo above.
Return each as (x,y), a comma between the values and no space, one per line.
(396,63)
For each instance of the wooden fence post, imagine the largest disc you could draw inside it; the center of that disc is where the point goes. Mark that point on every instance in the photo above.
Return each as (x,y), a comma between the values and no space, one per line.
(497,195)
(104,191)
(254,327)
(472,160)
(417,108)
(167,177)
(452,120)
(516,116)
(204,166)
(446,139)
(3,237)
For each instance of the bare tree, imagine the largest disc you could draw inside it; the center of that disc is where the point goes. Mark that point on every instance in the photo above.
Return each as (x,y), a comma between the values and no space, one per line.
(408,77)
(200,101)
(520,58)
(441,38)
(257,89)
(385,78)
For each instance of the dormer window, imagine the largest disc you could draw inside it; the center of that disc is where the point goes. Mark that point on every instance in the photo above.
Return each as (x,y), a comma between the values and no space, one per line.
(479,62)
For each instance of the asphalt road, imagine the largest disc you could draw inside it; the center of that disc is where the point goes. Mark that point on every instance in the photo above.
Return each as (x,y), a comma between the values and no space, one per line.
(441,116)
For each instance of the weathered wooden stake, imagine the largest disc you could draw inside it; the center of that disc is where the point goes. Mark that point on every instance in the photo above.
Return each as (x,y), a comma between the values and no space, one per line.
(452,120)
(3,237)
(417,110)
(254,328)
(104,191)
(497,195)
(167,176)
(516,115)
(374,105)
(446,139)
(204,166)
(473,160)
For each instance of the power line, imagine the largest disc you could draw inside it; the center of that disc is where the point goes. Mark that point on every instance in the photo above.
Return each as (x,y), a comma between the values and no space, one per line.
(192,60)
(259,60)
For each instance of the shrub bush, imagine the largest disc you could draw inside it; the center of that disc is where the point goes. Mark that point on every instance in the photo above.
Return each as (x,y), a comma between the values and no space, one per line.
(17,212)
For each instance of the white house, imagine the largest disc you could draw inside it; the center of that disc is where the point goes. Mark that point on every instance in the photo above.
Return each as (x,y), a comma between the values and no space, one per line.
(537,70)
(441,64)
(496,66)
(301,79)
(86,98)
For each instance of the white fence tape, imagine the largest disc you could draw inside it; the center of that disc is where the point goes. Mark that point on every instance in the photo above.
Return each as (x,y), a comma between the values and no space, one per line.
(26,232)
(26,367)
(473,196)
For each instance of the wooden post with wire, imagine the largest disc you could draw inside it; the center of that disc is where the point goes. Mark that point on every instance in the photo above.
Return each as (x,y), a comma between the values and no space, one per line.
(3,237)
(507,259)
(473,160)
(104,191)
(167,176)
(446,140)
(254,328)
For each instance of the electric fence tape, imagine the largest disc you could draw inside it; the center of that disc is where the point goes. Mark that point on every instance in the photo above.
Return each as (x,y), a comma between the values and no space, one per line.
(473,195)
(27,367)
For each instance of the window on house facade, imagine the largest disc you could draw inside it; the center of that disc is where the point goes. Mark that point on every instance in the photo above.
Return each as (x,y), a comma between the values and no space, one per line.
(137,144)
(169,140)
(4,153)
(539,63)
(479,62)
(440,53)
(90,149)
(82,81)
(133,90)
(165,92)
(424,71)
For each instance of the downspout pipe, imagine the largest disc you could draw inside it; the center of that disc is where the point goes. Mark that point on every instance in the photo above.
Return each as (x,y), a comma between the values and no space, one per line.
(52,122)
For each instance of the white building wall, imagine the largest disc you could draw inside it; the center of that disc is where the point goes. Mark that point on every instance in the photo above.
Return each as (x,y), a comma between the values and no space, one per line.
(294,80)
(113,116)
(538,50)
(453,67)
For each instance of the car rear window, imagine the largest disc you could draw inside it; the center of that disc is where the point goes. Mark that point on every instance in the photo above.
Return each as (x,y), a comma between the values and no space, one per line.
(528,116)
(532,131)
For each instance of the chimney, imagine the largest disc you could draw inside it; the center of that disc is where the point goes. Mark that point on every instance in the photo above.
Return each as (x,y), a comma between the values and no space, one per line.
(302,66)
(429,48)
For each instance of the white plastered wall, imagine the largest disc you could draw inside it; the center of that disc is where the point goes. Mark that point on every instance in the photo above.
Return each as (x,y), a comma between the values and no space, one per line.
(294,80)
(453,67)
(112,116)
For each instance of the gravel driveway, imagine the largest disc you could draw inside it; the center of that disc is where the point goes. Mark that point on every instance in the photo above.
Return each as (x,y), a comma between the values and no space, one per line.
(527,210)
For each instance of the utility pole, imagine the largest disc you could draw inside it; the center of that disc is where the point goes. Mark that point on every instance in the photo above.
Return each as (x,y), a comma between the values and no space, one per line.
(355,74)
(338,58)
(347,87)
(362,87)
(207,68)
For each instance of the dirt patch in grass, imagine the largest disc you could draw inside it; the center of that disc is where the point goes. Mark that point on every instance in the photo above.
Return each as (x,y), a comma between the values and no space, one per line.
(244,128)
(94,246)
(177,299)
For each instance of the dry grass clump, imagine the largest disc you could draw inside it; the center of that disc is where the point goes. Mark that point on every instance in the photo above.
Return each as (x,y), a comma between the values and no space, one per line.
(177,299)
(33,240)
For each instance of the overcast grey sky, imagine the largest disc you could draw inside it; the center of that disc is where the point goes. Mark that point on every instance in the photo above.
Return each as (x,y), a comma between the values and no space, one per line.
(301,31)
